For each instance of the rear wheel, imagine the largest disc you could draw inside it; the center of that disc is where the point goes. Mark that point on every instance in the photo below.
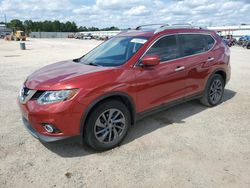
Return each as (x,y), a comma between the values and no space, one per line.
(107,125)
(214,91)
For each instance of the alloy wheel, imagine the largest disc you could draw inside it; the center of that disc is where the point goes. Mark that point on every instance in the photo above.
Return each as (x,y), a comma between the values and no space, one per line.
(109,126)
(216,91)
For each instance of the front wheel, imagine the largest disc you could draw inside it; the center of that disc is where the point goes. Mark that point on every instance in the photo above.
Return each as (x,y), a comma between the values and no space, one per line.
(107,125)
(214,91)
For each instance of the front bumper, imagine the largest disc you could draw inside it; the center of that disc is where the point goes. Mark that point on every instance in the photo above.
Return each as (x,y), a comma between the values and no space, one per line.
(64,116)
(41,137)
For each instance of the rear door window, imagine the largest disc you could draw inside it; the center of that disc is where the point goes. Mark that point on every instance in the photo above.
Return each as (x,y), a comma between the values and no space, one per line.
(192,44)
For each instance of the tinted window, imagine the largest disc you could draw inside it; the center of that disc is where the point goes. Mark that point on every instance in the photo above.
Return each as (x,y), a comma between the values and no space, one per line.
(166,48)
(210,41)
(192,44)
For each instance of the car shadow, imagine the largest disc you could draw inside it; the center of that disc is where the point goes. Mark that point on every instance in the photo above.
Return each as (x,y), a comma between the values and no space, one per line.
(67,148)
(72,147)
(176,114)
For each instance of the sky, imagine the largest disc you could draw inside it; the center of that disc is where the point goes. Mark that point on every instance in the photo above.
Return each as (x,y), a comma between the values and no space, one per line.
(129,13)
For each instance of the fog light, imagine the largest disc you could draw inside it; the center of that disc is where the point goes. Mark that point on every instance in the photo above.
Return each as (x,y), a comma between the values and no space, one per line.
(49,128)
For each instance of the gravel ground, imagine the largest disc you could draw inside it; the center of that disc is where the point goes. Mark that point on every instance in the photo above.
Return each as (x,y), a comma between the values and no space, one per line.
(186,146)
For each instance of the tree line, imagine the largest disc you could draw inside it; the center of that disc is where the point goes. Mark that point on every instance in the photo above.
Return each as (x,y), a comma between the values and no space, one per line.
(52,26)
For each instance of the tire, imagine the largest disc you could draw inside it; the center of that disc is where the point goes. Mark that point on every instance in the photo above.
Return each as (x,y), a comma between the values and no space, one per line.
(248,45)
(102,131)
(214,91)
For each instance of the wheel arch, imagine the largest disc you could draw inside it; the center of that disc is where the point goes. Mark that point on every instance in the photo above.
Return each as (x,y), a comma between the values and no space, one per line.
(120,96)
(222,73)
(219,71)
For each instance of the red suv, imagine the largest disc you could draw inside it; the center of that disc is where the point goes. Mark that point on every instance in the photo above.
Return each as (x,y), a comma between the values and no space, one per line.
(138,72)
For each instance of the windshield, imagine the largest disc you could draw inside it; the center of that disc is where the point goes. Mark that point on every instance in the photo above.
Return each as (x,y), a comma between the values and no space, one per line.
(114,52)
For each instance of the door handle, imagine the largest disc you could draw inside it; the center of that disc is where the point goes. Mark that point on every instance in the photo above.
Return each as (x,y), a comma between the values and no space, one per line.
(210,59)
(179,68)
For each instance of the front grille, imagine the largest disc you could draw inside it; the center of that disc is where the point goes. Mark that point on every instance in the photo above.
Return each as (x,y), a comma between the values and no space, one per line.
(25,91)
(26,94)
(37,95)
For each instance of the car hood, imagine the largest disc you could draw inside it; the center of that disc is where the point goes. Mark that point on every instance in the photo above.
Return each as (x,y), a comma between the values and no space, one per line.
(60,75)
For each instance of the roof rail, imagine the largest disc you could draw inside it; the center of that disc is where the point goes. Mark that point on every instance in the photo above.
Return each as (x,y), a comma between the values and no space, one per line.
(162,27)
(148,25)
(182,24)
(176,26)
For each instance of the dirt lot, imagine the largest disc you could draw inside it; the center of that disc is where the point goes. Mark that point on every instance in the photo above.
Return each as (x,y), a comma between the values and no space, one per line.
(185,146)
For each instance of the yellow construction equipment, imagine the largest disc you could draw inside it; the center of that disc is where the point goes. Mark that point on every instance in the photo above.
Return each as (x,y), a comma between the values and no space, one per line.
(19,35)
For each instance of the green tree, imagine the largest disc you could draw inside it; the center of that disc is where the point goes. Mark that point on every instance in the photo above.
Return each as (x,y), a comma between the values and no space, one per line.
(52,26)
(113,28)
(70,27)
(16,24)
(93,29)
(56,26)
(28,25)
(74,27)
(47,26)
(82,28)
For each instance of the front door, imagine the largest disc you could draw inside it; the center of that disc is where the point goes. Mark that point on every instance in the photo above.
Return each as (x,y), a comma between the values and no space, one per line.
(165,82)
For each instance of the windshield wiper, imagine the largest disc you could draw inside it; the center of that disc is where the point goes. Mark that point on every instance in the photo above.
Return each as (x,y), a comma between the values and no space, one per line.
(76,60)
(92,63)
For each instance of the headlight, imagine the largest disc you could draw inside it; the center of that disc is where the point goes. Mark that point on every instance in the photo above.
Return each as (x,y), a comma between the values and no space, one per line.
(56,96)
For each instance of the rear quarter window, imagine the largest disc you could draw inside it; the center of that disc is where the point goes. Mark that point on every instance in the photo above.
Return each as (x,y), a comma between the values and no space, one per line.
(210,41)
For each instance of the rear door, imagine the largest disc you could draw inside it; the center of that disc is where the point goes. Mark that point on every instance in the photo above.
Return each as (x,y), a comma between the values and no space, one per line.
(195,50)
(165,82)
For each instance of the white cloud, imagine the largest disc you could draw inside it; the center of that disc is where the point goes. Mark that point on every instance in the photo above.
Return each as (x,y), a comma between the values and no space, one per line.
(136,11)
(116,4)
(86,10)
(129,13)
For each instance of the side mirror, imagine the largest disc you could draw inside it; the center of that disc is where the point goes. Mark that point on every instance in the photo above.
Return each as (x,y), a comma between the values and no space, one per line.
(150,60)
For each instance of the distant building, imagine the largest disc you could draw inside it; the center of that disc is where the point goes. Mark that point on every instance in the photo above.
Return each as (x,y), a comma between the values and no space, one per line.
(235,31)
(3,28)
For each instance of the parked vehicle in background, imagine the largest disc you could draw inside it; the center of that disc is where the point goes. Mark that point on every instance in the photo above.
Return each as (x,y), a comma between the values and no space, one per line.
(71,36)
(226,42)
(232,41)
(87,36)
(16,35)
(244,41)
(78,36)
(4,34)
(246,44)
(102,38)
(229,40)
(136,73)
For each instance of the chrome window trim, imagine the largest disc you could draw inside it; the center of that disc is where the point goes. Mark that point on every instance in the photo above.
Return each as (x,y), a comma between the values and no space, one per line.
(215,42)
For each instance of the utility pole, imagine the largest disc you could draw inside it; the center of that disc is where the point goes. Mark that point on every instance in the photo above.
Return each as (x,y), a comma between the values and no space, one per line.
(5,19)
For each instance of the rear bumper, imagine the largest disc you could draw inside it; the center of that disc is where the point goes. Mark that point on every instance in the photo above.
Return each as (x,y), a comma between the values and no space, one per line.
(41,137)
(228,73)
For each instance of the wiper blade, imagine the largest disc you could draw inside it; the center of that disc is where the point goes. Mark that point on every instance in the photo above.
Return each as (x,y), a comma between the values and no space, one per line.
(76,60)
(93,64)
